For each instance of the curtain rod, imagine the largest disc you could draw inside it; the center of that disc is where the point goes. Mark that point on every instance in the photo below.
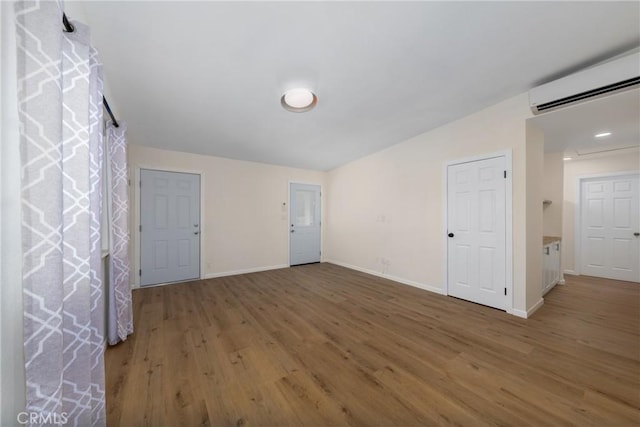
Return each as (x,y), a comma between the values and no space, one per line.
(68,27)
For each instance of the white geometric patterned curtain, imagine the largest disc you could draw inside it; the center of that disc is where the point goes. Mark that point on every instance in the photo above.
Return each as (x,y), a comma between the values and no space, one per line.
(120,324)
(60,109)
(96,132)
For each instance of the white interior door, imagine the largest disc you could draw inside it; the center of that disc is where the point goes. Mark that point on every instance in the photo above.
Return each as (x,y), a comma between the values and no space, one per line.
(609,218)
(476,227)
(170,227)
(304,231)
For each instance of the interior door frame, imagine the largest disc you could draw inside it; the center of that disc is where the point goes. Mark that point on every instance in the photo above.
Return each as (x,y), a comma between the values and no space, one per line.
(136,196)
(288,227)
(507,154)
(577,220)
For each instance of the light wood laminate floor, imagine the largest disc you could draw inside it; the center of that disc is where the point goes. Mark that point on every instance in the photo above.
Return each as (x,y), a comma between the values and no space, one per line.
(323,345)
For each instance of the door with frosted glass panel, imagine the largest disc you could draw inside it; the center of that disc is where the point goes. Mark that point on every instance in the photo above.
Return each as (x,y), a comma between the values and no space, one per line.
(304,229)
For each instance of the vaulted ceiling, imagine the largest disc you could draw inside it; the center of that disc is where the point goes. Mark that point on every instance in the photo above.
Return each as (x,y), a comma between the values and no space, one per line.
(206,77)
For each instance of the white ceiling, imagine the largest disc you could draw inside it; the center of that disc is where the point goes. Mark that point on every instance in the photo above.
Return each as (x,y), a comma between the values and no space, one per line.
(572,130)
(206,77)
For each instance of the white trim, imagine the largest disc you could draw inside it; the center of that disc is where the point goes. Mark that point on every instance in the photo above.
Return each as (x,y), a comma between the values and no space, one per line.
(508,236)
(155,285)
(445,222)
(526,314)
(570,273)
(577,221)
(493,155)
(244,271)
(289,219)
(508,160)
(136,195)
(535,307)
(415,284)
(2,256)
(518,313)
(607,174)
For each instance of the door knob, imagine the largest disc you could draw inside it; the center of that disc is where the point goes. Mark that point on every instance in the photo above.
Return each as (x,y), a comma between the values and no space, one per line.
(293,231)
(636,234)
(450,234)
(195,232)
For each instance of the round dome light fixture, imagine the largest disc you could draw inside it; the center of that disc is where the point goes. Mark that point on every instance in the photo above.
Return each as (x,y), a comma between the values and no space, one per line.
(298,100)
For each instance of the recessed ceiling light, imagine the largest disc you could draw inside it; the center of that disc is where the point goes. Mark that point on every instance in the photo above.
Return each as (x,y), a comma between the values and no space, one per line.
(299,100)
(567,158)
(602,135)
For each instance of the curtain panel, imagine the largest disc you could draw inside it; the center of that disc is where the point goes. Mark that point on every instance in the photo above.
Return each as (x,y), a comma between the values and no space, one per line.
(61,132)
(120,323)
(97,309)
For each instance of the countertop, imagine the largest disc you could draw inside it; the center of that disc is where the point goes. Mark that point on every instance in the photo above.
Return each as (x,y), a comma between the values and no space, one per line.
(550,239)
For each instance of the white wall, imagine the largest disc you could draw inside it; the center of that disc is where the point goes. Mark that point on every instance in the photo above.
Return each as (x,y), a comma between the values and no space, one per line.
(386,209)
(534,227)
(553,185)
(624,161)
(76,11)
(12,397)
(1,216)
(244,224)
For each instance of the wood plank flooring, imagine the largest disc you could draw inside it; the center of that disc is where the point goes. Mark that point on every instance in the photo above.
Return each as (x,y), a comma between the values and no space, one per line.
(323,345)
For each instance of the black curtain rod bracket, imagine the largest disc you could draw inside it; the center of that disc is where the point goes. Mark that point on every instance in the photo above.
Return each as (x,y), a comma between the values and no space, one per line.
(68,27)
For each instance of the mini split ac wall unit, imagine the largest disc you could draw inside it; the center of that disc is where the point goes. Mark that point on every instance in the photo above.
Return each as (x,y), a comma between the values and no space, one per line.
(601,80)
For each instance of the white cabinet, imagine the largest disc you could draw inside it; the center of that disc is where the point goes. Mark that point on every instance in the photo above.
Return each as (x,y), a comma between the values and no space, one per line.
(550,266)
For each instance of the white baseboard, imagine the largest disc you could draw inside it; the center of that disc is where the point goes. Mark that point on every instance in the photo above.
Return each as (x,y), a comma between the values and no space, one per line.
(570,272)
(415,284)
(165,284)
(214,275)
(526,314)
(244,271)
(535,307)
(518,313)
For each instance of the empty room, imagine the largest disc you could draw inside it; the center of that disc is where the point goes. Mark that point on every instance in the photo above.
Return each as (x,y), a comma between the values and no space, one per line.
(319,213)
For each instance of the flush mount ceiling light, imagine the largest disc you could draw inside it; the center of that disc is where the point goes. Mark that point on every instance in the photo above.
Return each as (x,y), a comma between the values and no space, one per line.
(298,100)
(567,158)
(602,135)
